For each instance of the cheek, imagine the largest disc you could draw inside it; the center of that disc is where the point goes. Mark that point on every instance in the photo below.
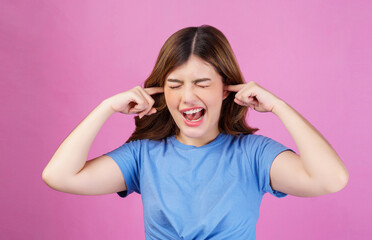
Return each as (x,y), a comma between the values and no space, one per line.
(170,99)
(212,99)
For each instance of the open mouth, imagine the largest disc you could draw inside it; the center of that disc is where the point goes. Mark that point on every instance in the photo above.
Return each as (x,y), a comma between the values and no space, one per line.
(194,115)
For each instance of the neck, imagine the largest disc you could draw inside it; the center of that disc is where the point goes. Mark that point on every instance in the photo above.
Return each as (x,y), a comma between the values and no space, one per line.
(197,142)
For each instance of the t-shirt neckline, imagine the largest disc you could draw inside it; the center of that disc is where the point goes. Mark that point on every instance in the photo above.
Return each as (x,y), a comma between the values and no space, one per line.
(214,142)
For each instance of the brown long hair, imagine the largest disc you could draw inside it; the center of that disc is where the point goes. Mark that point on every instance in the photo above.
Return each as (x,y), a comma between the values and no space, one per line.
(211,45)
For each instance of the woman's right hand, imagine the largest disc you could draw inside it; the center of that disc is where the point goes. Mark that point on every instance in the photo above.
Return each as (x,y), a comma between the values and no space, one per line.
(136,100)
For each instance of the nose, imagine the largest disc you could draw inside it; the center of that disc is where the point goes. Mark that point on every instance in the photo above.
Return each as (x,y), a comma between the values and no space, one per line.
(189,97)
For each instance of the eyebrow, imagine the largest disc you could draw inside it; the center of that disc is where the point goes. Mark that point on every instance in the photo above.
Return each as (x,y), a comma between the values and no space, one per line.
(194,81)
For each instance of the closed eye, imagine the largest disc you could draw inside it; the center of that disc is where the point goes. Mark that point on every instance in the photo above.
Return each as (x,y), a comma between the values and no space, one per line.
(201,86)
(174,87)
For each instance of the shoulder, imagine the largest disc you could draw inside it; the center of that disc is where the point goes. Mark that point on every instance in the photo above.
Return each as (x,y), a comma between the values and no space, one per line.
(147,144)
(251,139)
(255,139)
(137,148)
(255,144)
(242,142)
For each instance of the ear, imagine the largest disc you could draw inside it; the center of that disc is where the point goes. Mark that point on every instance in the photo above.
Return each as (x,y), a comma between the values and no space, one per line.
(225,94)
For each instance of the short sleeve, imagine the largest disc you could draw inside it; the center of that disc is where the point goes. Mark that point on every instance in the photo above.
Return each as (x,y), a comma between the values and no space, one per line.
(265,151)
(127,158)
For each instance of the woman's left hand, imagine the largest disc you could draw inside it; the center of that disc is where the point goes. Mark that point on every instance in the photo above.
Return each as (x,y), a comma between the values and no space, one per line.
(254,96)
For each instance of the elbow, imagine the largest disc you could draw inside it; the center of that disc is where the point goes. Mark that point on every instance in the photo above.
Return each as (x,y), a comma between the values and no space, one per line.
(49,179)
(55,180)
(340,183)
(45,176)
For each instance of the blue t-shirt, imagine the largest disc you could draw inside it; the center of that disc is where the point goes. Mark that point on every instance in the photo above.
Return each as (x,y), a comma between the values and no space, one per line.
(208,192)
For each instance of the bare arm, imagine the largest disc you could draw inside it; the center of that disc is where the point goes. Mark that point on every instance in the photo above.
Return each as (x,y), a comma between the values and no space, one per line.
(74,149)
(317,157)
(68,170)
(71,156)
(318,170)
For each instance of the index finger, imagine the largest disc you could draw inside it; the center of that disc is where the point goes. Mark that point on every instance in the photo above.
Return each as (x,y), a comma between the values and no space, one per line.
(154,90)
(234,88)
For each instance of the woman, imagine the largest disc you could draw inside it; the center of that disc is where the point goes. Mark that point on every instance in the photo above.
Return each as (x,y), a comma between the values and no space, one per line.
(199,168)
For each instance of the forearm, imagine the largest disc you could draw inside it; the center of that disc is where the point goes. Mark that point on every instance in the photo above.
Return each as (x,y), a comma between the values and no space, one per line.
(319,158)
(72,154)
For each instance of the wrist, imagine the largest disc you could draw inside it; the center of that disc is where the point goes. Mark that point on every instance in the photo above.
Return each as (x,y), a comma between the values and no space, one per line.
(279,107)
(107,106)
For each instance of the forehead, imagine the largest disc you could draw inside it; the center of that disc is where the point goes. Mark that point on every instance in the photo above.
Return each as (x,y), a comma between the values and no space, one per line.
(194,68)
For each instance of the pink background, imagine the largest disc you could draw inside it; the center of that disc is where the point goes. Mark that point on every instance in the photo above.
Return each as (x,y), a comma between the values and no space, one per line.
(60,59)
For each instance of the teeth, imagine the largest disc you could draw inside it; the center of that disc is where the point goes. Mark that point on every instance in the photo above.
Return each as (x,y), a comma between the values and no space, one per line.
(193,111)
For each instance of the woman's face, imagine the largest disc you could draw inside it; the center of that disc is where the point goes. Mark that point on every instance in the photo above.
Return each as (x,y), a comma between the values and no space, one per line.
(194,94)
